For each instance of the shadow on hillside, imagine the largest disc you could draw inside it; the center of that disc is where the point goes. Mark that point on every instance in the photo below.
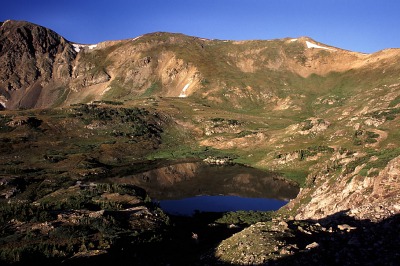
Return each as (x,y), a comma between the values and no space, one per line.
(341,240)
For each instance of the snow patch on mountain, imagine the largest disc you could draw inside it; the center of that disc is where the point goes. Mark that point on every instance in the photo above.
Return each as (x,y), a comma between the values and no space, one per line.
(134,39)
(105,90)
(183,92)
(313,45)
(79,47)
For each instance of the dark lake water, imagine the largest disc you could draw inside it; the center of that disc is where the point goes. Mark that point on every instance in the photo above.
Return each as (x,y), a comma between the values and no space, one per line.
(188,206)
(186,187)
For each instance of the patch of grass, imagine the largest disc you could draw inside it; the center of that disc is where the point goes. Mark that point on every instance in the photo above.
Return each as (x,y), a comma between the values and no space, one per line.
(363,172)
(117,90)
(384,156)
(299,176)
(86,232)
(351,166)
(364,137)
(388,114)
(245,217)
(151,91)
(394,102)
(62,96)
(108,102)
(181,151)
(244,133)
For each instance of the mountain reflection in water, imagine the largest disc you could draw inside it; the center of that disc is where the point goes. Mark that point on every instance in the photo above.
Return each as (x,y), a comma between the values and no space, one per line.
(192,179)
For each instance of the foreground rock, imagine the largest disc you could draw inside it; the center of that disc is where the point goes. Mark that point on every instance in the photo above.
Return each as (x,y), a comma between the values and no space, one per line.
(374,197)
(335,240)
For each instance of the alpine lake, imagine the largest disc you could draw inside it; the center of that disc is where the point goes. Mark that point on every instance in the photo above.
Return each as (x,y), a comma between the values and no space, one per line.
(186,188)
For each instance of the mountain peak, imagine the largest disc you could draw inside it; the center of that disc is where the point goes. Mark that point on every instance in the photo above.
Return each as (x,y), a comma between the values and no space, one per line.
(30,55)
(19,23)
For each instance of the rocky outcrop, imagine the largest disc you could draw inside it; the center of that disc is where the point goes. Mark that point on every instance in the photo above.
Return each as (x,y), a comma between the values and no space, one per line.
(218,161)
(363,197)
(85,80)
(313,126)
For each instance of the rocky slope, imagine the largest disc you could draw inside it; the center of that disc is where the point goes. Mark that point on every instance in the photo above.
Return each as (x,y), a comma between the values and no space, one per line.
(374,197)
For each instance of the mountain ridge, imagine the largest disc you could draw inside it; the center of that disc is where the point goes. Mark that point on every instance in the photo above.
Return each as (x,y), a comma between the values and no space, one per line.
(199,37)
(54,77)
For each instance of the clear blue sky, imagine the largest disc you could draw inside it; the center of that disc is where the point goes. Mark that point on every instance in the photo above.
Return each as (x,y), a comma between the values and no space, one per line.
(357,25)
